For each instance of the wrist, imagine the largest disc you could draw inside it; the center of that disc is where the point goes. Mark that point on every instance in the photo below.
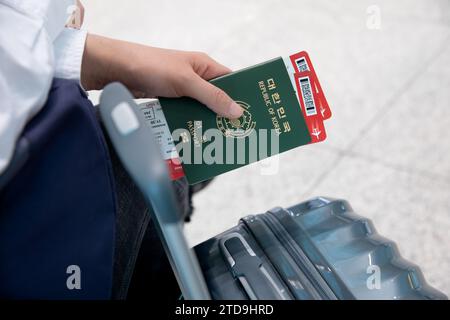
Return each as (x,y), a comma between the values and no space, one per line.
(102,62)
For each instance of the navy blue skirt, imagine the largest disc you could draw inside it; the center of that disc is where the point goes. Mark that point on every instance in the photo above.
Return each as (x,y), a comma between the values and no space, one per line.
(57,214)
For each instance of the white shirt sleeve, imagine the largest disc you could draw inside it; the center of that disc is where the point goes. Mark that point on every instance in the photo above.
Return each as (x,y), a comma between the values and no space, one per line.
(68,49)
(34,47)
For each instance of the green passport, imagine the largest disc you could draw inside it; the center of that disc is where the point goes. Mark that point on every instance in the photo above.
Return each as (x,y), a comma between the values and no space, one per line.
(272,122)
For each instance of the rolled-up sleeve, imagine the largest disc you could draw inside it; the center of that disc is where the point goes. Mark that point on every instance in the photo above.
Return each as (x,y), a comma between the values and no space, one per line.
(68,49)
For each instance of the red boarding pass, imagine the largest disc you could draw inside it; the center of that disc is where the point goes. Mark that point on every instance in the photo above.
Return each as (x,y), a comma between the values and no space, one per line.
(309,98)
(301,62)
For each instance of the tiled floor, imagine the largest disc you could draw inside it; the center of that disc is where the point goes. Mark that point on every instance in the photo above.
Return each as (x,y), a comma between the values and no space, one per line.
(388,146)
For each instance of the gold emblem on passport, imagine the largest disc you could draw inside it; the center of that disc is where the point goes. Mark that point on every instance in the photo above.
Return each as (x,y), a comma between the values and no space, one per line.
(237,128)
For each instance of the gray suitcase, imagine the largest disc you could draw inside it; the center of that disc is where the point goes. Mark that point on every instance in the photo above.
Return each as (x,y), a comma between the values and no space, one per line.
(319,249)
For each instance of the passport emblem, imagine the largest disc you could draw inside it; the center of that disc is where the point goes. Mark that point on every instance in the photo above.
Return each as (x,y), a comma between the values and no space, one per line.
(237,128)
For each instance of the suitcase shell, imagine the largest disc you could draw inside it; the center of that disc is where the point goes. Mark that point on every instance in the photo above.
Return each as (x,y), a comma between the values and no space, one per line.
(319,249)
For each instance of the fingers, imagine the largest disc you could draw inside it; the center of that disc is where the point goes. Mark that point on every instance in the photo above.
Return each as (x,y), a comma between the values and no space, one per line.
(208,68)
(214,98)
(215,70)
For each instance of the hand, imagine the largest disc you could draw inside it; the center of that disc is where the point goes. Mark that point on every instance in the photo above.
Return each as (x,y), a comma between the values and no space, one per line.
(154,72)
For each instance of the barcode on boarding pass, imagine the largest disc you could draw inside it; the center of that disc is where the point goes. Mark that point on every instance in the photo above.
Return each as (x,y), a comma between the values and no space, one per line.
(305,87)
(302,65)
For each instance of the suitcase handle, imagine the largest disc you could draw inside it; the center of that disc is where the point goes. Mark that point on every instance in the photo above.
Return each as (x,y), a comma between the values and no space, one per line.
(140,154)
(249,270)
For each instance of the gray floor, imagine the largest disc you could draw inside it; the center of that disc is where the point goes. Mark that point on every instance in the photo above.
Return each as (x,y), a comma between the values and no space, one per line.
(388,143)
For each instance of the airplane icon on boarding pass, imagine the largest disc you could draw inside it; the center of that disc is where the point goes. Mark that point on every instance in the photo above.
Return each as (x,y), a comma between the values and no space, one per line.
(316,132)
(322,111)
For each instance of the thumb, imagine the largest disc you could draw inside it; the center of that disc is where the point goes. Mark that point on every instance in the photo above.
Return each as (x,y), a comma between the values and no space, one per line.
(214,98)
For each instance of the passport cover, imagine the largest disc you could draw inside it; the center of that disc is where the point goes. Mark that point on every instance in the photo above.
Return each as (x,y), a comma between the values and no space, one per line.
(266,93)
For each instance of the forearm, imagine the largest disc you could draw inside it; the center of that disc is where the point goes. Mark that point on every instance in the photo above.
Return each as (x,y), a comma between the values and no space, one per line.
(136,66)
(103,62)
